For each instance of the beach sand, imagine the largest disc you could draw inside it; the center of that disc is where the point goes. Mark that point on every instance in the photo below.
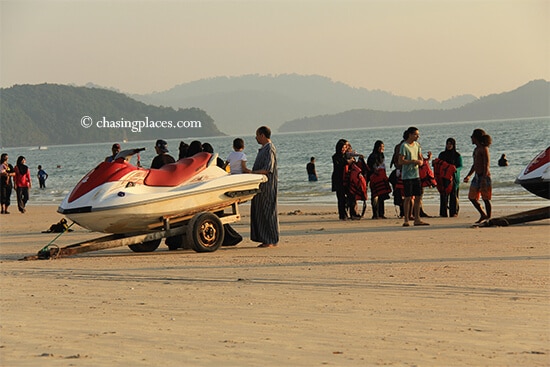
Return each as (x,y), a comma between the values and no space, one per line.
(358,293)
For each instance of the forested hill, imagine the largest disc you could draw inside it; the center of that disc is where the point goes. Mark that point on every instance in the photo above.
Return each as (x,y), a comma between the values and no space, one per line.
(529,100)
(52,114)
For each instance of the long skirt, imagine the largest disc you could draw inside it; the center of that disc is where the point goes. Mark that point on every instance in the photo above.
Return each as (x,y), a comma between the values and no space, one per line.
(449,202)
(264,221)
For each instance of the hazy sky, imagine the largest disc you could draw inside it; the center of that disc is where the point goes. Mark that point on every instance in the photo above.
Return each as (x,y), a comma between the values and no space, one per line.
(412,48)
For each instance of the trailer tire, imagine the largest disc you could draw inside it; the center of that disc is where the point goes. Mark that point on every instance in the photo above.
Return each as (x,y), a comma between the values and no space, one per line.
(148,246)
(205,232)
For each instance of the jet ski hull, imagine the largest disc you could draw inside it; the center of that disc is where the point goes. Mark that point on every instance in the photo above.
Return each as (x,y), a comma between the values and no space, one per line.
(127,205)
(535,178)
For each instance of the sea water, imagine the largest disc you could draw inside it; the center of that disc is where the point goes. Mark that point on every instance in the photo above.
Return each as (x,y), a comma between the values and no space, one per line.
(521,140)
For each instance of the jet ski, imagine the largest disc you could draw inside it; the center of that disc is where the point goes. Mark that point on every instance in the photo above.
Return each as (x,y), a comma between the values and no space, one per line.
(120,198)
(535,178)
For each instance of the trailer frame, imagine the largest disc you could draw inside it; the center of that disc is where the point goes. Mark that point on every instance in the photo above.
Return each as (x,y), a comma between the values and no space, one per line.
(172,226)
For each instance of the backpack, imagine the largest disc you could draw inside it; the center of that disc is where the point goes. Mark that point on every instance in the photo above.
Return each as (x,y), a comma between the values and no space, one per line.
(59,227)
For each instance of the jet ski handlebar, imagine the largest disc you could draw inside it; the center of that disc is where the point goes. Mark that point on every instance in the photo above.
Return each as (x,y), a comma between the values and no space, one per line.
(128,153)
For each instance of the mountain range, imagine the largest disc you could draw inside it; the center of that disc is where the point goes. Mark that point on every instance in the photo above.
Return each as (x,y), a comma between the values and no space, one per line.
(52,114)
(240,104)
(529,100)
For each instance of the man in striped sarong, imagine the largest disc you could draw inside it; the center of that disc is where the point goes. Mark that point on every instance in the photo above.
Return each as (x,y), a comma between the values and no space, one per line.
(264,220)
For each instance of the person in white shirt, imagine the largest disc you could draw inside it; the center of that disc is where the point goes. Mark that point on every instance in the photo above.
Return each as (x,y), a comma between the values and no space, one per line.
(237,159)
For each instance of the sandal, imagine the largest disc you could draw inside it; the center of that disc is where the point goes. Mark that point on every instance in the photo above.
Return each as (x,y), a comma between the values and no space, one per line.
(266,245)
(422,224)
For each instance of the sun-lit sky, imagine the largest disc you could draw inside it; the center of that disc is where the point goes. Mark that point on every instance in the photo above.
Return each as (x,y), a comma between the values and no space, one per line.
(429,49)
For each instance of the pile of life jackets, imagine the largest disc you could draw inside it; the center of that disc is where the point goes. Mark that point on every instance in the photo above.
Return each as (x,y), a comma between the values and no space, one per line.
(358,175)
(428,177)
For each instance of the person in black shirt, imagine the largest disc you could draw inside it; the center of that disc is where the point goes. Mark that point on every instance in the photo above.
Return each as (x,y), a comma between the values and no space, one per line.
(115,149)
(503,161)
(310,167)
(162,157)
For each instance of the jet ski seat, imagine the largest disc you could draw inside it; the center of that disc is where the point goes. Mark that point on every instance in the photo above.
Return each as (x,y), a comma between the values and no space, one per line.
(175,174)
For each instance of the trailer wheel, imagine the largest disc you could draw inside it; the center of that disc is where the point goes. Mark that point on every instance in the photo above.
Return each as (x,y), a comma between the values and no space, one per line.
(148,246)
(205,232)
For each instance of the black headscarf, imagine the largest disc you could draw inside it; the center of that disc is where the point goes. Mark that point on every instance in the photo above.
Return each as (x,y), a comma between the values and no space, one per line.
(339,162)
(194,148)
(450,156)
(20,166)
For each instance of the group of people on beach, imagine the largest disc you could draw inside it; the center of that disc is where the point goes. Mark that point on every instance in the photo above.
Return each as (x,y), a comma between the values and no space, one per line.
(18,178)
(351,175)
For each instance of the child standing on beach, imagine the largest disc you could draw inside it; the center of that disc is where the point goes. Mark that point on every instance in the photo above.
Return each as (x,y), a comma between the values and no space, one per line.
(237,159)
(42,176)
(481,184)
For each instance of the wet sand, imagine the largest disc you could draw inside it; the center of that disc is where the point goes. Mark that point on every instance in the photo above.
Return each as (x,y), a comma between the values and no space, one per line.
(358,293)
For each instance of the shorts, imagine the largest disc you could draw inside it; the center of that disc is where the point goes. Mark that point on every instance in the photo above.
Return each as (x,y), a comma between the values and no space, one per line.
(480,187)
(412,187)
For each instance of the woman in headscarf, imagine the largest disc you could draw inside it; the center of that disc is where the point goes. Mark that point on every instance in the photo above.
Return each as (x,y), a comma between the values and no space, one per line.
(6,183)
(22,183)
(449,197)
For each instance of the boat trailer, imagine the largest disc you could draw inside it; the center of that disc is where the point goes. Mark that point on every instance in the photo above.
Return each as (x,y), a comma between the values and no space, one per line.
(203,232)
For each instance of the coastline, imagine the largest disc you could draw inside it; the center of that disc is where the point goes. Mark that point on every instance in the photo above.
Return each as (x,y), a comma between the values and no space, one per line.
(366,292)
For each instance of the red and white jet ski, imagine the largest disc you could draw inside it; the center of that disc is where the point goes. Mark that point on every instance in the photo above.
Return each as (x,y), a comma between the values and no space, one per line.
(535,177)
(118,197)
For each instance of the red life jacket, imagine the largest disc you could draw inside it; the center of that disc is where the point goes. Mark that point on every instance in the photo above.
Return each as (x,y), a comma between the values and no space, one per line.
(427,177)
(355,181)
(379,183)
(444,175)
